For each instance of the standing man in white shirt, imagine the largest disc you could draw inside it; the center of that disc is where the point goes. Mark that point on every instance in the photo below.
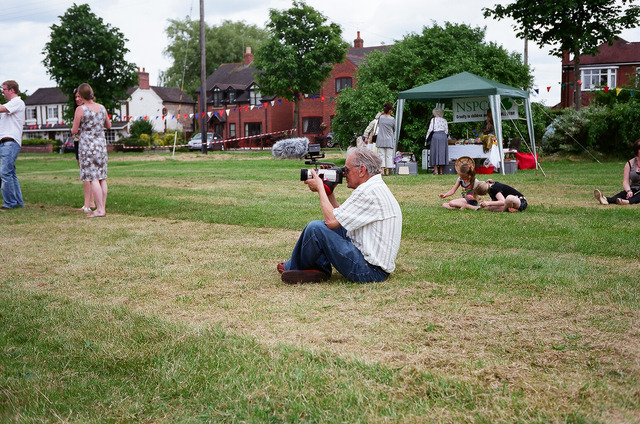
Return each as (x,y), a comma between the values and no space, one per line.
(359,237)
(11,123)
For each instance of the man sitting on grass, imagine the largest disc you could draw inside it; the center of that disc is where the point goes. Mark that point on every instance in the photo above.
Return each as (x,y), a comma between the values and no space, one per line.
(360,238)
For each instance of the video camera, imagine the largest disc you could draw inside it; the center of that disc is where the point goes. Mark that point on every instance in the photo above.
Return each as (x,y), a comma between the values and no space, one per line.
(330,174)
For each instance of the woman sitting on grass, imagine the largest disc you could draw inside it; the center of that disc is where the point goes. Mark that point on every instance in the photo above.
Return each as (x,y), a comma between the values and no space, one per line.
(504,198)
(630,193)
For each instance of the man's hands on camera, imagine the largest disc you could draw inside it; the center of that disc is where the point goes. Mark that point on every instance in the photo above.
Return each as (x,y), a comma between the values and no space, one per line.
(315,183)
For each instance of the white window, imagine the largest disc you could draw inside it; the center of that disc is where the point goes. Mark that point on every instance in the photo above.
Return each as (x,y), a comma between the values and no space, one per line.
(595,78)
(52,113)
(32,114)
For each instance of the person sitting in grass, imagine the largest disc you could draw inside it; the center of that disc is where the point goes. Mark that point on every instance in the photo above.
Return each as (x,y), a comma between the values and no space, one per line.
(630,193)
(504,198)
(359,237)
(466,180)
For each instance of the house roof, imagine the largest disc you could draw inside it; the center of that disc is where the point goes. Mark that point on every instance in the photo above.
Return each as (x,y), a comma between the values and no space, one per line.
(46,96)
(621,51)
(167,94)
(357,56)
(240,76)
(235,75)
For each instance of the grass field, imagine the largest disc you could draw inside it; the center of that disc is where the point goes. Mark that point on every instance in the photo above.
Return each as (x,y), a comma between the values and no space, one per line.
(170,309)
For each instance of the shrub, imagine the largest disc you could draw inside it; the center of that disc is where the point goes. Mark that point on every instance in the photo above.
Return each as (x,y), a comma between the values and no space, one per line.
(39,142)
(168,138)
(140,127)
(606,129)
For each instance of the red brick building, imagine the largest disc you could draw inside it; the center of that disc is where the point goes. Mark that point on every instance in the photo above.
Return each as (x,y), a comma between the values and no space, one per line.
(615,66)
(239,110)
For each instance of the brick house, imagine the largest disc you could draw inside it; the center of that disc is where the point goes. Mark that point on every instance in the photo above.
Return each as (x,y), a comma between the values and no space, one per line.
(239,110)
(615,66)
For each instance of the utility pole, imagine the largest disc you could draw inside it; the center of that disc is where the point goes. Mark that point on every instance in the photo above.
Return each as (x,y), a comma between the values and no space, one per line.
(203,84)
(526,50)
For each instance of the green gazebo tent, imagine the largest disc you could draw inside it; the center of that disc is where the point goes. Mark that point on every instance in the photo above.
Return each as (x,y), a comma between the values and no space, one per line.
(464,85)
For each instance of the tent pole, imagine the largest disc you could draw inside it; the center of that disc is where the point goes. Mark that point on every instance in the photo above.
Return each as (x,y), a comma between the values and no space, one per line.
(494,100)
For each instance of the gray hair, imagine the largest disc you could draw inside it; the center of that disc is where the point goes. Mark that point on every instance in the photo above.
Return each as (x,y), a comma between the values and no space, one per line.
(438,112)
(364,156)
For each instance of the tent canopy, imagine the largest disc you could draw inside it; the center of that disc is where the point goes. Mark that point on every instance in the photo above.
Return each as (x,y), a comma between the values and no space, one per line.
(463,85)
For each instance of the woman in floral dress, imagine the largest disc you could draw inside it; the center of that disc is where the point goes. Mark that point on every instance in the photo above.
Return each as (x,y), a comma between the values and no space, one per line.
(90,121)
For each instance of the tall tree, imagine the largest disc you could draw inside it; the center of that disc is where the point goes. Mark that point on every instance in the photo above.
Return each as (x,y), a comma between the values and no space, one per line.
(438,52)
(224,44)
(299,55)
(83,48)
(575,26)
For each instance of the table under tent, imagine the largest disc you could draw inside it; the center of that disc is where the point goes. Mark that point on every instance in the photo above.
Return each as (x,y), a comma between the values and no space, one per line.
(467,85)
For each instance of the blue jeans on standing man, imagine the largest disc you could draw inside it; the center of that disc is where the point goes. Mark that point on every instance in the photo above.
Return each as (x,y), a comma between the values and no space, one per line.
(11,194)
(319,247)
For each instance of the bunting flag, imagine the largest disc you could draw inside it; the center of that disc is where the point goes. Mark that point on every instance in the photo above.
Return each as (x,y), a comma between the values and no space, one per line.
(322,99)
(548,89)
(618,90)
(606,89)
(632,92)
(579,82)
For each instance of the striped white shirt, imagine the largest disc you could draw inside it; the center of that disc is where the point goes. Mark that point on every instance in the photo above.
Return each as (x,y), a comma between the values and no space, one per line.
(373,220)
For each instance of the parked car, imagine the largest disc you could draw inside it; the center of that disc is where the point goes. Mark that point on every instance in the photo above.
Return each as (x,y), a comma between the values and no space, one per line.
(196,142)
(68,146)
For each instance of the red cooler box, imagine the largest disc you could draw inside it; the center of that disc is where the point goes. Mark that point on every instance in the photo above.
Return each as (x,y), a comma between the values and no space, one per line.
(526,161)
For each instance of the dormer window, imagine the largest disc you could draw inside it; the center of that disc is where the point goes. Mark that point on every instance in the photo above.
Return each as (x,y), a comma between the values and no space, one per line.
(254,95)
(217,97)
(231,96)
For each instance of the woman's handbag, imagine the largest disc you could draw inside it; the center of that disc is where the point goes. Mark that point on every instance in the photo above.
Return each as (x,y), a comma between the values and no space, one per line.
(374,134)
(429,137)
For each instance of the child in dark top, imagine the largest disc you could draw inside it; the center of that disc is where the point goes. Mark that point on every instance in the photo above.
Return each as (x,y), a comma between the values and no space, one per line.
(504,198)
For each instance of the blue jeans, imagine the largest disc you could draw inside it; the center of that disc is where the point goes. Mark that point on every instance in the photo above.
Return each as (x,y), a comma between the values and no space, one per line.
(11,194)
(319,247)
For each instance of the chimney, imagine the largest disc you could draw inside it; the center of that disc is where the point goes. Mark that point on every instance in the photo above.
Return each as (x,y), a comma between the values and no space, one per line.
(358,43)
(248,57)
(143,79)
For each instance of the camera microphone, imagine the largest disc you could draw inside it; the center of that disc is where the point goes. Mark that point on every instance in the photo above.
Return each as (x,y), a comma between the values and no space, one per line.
(291,148)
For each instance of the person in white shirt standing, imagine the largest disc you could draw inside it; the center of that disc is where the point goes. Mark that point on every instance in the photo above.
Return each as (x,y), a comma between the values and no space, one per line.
(11,123)
(359,237)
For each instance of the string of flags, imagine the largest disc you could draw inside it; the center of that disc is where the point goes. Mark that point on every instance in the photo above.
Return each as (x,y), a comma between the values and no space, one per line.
(606,88)
(221,113)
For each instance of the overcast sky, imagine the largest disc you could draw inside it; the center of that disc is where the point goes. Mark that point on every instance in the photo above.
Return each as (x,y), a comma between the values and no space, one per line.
(26,26)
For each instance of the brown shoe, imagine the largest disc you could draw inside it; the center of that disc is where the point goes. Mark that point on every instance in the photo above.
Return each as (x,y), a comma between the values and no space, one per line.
(304,276)
(280,267)
(599,197)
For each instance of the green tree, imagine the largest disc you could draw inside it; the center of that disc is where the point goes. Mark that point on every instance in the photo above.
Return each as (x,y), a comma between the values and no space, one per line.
(417,59)
(574,26)
(83,48)
(223,44)
(299,55)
